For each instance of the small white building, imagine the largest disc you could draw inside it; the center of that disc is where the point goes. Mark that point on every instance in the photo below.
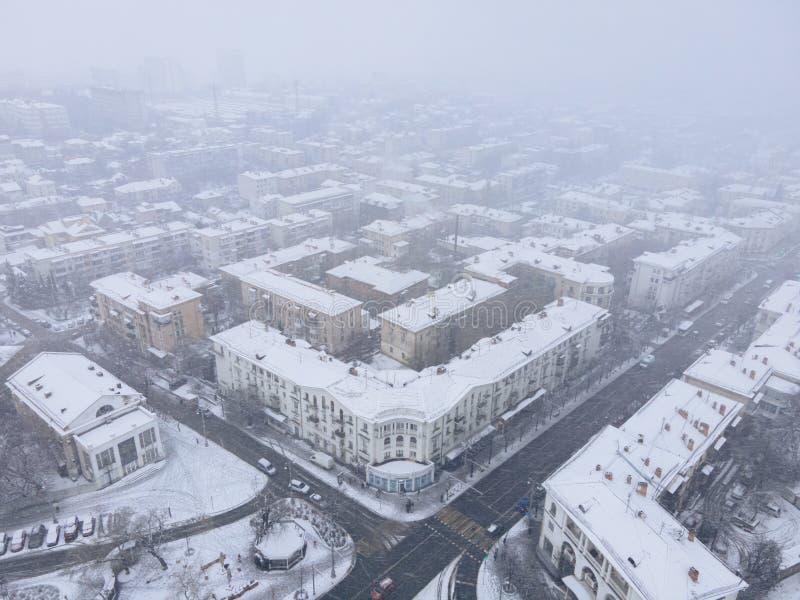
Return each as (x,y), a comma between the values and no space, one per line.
(101,424)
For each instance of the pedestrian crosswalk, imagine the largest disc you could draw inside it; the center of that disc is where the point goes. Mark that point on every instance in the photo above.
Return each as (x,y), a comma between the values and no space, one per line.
(380,540)
(465,527)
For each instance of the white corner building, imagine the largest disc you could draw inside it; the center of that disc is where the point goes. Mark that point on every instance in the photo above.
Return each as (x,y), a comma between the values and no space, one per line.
(103,429)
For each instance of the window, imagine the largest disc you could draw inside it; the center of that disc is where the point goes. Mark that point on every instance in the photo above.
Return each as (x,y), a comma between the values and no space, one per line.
(104,410)
(399,453)
(387,441)
(553,508)
(147,438)
(387,454)
(105,458)
(399,439)
(413,441)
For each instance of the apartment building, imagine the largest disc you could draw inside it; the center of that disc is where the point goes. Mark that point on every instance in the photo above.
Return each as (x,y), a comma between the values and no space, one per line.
(551,225)
(672,279)
(278,158)
(430,330)
(152,190)
(397,238)
(231,242)
(535,277)
(298,180)
(452,189)
(525,182)
(186,164)
(482,220)
(38,119)
(102,429)
(253,185)
(377,206)
(293,228)
(379,287)
(657,179)
(340,202)
(147,249)
(589,207)
(672,228)
(763,230)
(606,532)
(322,317)
(308,260)
(157,315)
(115,107)
(783,300)
(157,212)
(68,229)
(399,431)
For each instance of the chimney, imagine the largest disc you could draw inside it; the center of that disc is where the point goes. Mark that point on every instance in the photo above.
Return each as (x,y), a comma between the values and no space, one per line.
(694,574)
(560,301)
(703,428)
(764,360)
(752,374)
(699,392)
(682,412)
(690,444)
(733,363)
(598,468)
(722,409)
(609,475)
(667,426)
(658,471)
(641,488)
(690,537)
(647,462)
(628,479)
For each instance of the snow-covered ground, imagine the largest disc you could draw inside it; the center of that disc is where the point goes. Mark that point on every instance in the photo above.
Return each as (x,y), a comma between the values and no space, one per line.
(441,586)
(185,558)
(60,319)
(6,352)
(786,589)
(193,481)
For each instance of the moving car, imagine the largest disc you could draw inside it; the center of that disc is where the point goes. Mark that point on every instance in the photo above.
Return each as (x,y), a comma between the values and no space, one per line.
(71,529)
(382,589)
(18,540)
(52,536)
(266,466)
(87,528)
(299,486)
(36,537)
(493,529)
(647,361)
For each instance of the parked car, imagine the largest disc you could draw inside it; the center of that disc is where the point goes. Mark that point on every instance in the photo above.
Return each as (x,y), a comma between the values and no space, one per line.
(382,589)
(53,534)
(299,486)
(26,333)
(3,542)
(522,505)
(647,361)
(36,537)
(739,491)
(266,466)
(87,528)
(71,529)
(203,410)
(315,498)
(18,540)
(493,529)
(323,460)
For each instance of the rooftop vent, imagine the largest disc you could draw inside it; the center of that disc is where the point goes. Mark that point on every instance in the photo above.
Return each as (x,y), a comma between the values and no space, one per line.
(694,574)
(99,373)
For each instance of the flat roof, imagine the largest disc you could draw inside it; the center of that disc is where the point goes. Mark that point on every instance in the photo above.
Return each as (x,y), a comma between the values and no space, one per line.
(276,258)
(302,292)
(368,270)
(688,254)
(784,299)
(137,292)
(125,424)
(438,306)
(728,371)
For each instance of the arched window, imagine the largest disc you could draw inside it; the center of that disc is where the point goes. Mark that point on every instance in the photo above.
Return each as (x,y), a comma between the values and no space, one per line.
(387,441)
(590,578)
(553,508)
(412,440)
(399,439)
(104,410)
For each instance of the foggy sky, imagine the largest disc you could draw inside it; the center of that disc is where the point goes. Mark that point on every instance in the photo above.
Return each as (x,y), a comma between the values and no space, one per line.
(706,54)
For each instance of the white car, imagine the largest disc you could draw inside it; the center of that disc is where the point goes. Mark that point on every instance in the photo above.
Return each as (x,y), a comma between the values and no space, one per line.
(299,486)
(53,534)
(315,498)
(647,361)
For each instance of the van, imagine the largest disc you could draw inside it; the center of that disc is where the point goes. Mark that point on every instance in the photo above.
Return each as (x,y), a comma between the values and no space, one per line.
(266,466)
(322,459)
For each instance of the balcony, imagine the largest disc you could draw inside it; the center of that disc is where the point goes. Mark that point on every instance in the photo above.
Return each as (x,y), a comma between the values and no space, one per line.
(339,433)
(313,419)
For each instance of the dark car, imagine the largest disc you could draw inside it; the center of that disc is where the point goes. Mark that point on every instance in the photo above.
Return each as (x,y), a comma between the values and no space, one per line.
(522,505)
(36,537)
(71,529)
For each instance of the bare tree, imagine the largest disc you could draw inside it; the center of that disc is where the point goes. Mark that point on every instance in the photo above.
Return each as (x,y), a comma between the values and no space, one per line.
(24,458)
(761,568)
(189,584)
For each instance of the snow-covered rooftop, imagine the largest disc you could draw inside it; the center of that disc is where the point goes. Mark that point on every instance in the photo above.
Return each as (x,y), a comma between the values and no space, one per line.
(438,306)
(725,370)
(368,270)
(687,254)
(785,299)
(115,428)
(493,214)
(274,260)
(62,386)
(427,394)
(139,294)
(640,539)
(302,292)
(495,264)
(142,186)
